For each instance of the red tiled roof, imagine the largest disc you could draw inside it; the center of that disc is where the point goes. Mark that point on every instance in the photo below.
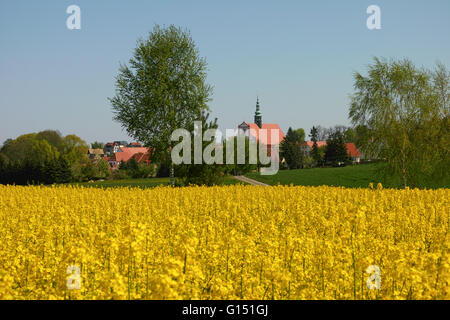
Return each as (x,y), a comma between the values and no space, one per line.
(142,157)
(270,128)
(128,153)
(351,147)
(352,150)
(319,144)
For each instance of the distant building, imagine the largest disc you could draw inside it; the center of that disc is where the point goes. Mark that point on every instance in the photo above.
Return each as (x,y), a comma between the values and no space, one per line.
(142,157)
(255,130)
(352,150)
(113,147)
(119,151)
(95,154)
(127,153)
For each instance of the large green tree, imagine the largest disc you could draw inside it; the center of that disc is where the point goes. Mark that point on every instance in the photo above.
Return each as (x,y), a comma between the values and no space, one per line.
(53,137)
(250,145)
(205,173)
(162,89)
(20,148)
(335,150)
(292,149)
(406,109)
(315,152)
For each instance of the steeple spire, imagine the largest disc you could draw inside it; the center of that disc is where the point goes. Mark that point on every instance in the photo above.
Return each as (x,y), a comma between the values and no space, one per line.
(258,117)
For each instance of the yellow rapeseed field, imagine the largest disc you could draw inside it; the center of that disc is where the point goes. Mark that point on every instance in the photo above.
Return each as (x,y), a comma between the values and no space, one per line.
(234,242)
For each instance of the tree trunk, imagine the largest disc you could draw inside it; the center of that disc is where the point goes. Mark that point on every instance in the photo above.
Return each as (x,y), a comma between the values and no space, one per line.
(172,175)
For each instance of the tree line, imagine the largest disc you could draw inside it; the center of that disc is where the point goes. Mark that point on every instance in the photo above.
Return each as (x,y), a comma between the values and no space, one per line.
(48,157)
(296,155)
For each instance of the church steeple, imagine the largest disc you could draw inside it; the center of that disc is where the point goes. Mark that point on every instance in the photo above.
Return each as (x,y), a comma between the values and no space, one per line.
(258,117)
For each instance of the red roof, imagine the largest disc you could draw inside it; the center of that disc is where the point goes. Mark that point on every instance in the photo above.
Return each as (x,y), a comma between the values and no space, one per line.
(128,153)
(265,136)
(142,157)
(319,144)
(352,150)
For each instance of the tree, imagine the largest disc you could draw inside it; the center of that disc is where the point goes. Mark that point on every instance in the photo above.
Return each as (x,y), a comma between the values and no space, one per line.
(440,127)
(44,157)
(335,150)
(41,152)
(363,138)
(164,88)
(315,153)
(322,133)
(240,169)
(53,137)
(349,135)
(402,107)
(102,169)
(441,88)
(75,153)
(7,143)
(301,134)
(292,148)
(132,164)
(65,174)
(204,173)
(18,149)
(97,145)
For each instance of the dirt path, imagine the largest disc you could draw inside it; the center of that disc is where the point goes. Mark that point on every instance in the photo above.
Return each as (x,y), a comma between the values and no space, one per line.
(250,181)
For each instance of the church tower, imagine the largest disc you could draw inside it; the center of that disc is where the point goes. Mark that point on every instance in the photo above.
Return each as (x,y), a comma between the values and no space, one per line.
(258,117)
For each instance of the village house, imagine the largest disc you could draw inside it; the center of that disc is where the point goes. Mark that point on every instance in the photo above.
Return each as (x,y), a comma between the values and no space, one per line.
(352,150)
(96,154)
(118,151)
(140,154)
(113,147)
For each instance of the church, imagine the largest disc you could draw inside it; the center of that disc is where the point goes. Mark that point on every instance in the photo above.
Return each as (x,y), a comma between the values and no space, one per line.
(253,129)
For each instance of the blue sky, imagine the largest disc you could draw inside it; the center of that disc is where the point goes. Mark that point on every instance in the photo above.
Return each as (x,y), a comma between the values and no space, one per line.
(298,56)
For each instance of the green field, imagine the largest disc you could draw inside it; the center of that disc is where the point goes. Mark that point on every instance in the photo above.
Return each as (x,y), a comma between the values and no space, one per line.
(354,176)
(142,183)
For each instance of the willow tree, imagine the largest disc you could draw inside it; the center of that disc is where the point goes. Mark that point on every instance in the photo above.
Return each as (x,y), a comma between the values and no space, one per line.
(399,104)
(162,89)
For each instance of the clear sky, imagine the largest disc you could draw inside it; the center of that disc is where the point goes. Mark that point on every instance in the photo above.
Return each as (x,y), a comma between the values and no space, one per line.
(298,56)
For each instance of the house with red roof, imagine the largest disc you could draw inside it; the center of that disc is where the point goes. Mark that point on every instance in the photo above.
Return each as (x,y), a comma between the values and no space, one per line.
(266,133)
(352,150)
(141,157)
(126,153)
